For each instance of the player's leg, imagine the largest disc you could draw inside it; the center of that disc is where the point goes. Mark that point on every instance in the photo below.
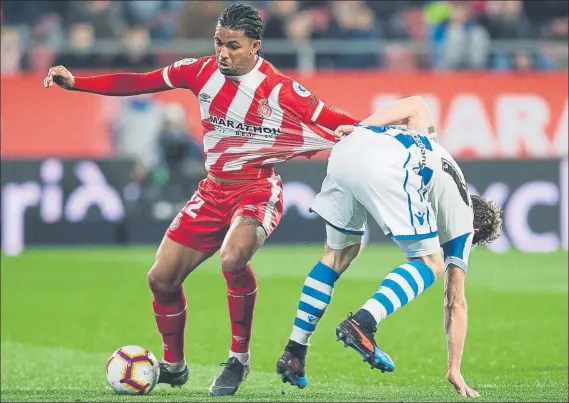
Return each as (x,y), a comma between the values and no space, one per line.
(393,193)
(316,295)
(245,236)
(345,222)
(255,215)
(318,288)
(195,234)
(172,265)
(399,288)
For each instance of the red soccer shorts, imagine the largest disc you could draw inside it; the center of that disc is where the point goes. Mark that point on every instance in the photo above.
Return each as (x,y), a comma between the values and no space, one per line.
(204,221)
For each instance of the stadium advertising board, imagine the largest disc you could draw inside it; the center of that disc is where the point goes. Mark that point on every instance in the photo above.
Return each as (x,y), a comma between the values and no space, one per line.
(83,202)
(62,202)
(533,196)
(479,115)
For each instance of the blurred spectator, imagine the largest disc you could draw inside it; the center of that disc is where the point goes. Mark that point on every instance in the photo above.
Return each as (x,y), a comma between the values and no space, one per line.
(159,16)
(197,19)
(523,62)
(105,15)
(548,16)
(286,22)
(11,51)
(135,56)
(460,42)
(16,12)
(182,156)
(79,55)
(48,29)
(392,16)
(354,20)
(299,28)
(280,12)
(558,28)
(506,20)
(398,59)
(136,134)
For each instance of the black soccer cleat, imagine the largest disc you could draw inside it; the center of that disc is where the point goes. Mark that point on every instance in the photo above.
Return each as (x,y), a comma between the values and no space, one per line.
(174,379)
(291,369)
(360,339)
(227,383)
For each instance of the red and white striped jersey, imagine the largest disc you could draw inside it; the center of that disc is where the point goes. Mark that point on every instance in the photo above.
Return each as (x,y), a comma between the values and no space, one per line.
(253,121)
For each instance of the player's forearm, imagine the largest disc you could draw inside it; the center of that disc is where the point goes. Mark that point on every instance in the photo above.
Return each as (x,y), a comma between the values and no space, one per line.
(412,111)
(456,320)
(122,84)
(331,118)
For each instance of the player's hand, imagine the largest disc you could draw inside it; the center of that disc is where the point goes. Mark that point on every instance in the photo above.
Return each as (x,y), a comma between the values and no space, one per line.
(61,76)
(343,130)
(456,380)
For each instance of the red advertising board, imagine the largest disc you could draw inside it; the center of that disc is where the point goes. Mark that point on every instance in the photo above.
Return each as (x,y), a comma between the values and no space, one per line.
(479,115)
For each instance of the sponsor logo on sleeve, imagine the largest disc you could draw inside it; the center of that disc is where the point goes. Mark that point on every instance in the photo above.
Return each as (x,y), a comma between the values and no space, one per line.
(184,62)
(300,90)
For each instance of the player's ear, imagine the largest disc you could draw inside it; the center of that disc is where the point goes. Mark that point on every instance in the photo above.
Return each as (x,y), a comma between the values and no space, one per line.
(256,46)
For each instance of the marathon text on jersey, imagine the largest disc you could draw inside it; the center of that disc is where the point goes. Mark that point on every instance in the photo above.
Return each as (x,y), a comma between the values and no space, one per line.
(242,129)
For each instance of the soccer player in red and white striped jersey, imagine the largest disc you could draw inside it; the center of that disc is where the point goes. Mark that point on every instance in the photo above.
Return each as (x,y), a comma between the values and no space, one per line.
(253,117)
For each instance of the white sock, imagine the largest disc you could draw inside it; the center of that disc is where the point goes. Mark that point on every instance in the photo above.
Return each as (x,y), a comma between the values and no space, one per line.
(242,357)
(176,366)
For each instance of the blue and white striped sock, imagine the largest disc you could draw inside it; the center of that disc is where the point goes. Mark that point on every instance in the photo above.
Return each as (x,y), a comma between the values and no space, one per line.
(315,297)
(399,288)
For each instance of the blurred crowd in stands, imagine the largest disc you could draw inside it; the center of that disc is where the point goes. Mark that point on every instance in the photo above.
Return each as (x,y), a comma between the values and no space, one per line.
(457,34)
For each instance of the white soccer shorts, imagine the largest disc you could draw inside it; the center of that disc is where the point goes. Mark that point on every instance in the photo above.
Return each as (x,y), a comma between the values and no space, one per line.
(377,174)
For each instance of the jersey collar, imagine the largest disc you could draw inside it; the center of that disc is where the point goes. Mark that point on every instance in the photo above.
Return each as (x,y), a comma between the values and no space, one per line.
(253,70)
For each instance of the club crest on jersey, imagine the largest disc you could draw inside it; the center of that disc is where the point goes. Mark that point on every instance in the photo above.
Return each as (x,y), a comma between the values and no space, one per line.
(264,109)
(300,90)
(184,62)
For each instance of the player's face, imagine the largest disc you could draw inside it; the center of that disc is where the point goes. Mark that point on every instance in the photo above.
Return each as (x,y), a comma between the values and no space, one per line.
(235,51)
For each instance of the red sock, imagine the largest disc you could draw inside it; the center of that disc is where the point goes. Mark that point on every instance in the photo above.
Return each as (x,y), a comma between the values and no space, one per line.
(170,313)
(241,295)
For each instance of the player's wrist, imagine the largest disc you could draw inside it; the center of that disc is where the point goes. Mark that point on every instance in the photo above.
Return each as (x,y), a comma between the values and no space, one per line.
(72,82)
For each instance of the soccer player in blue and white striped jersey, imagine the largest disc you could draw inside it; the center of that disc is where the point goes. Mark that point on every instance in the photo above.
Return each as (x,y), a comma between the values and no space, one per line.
(417,194)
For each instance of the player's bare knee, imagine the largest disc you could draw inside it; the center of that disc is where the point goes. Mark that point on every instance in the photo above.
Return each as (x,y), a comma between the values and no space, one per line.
(234,258)
(161,281)
(245,236)
(340,260)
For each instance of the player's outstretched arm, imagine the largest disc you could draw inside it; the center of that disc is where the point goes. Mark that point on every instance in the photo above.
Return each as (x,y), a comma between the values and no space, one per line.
(455,325)
(118,84)
(412,111)
(310,108)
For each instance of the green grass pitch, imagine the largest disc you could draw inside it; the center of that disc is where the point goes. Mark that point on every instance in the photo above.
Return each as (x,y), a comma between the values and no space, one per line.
(65,310)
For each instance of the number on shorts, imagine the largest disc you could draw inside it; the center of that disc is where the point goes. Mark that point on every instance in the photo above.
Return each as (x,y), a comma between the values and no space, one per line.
(194,206)
(460,183)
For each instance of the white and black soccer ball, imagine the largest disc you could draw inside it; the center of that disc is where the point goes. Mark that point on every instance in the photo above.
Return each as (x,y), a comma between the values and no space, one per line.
(133,370)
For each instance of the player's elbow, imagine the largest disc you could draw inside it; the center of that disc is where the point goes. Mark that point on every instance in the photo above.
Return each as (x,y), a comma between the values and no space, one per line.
(418,104)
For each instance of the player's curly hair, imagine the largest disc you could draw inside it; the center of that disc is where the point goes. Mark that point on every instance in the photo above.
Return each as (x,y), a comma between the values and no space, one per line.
(242,17)
(487,220)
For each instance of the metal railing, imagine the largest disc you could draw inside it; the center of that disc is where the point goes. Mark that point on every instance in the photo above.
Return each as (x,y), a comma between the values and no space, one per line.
(307,52)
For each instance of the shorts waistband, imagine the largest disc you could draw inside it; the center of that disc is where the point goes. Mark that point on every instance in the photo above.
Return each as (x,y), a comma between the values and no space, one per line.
(239,185)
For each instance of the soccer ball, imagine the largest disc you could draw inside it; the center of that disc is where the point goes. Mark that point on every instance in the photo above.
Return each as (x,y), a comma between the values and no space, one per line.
(133,370)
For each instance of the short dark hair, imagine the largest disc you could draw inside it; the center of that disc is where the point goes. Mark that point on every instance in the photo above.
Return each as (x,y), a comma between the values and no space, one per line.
(242,17)
(487,220)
